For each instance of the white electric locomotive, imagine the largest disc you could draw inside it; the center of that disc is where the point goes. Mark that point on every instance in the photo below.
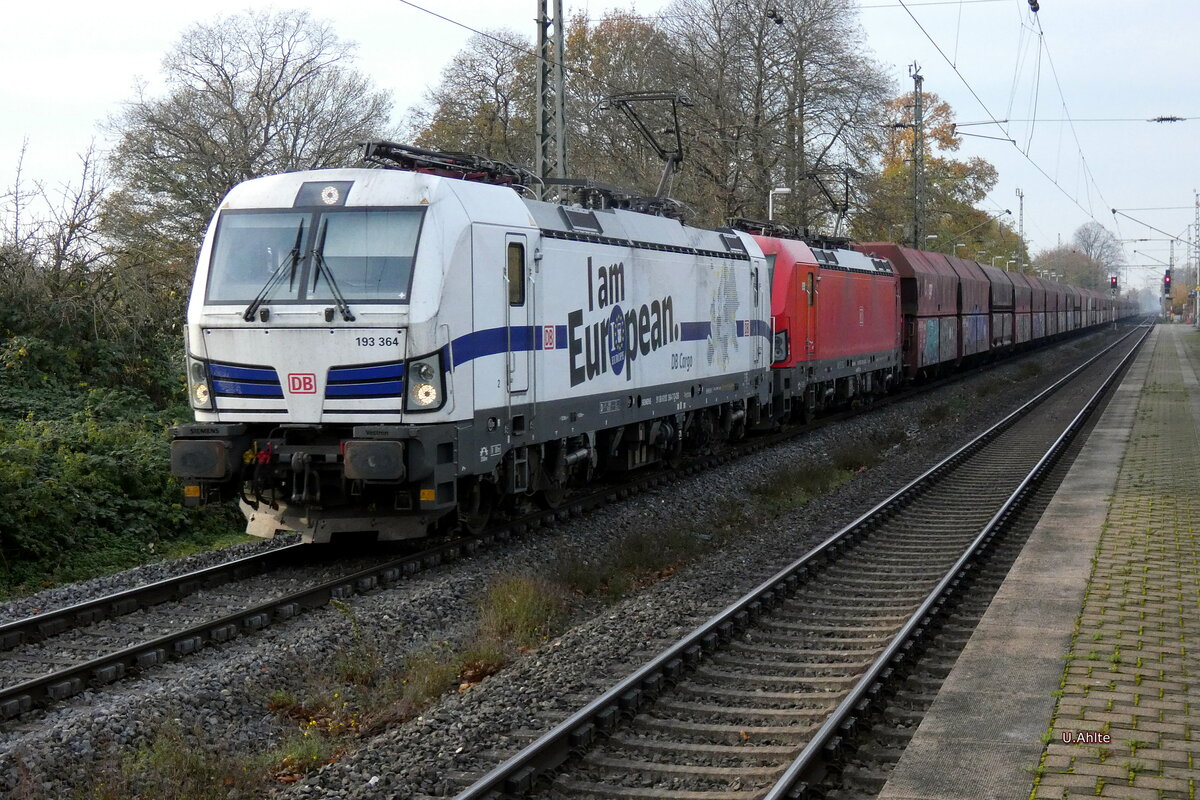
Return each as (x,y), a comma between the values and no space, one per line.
(392,351)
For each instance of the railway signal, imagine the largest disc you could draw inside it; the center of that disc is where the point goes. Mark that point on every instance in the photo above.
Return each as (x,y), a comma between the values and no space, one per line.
(1112,282)
(1167,282)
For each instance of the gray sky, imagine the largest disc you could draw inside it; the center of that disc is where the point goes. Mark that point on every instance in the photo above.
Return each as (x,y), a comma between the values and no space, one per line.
(68,65)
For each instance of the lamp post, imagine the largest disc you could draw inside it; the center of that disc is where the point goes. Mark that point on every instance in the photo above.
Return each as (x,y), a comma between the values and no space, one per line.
(929,237)
(994,259)
(771,201)
(955,253)
(1011,261)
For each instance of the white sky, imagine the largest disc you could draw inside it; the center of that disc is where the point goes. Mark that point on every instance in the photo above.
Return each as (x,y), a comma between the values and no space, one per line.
(68,65)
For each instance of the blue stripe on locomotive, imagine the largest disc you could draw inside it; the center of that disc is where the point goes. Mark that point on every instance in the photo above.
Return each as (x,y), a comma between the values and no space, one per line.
(493,341)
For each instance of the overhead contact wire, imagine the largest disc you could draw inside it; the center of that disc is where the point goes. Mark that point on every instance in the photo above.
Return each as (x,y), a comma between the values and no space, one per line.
(992,116)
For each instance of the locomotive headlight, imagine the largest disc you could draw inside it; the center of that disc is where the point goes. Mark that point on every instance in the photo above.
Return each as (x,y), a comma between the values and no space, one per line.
(426,394)
(200,396)
(198,385)
(426,390)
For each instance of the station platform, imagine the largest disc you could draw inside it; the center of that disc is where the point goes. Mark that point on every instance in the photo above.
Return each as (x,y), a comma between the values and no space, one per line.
(1083,677)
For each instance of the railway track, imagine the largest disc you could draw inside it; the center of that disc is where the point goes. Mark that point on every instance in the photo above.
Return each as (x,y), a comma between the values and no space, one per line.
(872,752)
(759,701)
(58,654)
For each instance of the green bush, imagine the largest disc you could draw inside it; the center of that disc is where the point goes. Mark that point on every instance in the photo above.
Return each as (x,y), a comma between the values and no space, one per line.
(89,494)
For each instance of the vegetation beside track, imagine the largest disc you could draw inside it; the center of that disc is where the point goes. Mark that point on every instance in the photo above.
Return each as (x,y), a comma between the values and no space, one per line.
(85,485)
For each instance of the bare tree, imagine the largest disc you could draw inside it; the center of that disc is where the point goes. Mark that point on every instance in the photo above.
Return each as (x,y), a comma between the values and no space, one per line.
(251,94)
(784,97)
(1099,244)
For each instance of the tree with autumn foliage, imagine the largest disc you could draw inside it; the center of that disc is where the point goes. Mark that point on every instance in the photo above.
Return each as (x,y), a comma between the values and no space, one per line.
(621,52)
(952,188)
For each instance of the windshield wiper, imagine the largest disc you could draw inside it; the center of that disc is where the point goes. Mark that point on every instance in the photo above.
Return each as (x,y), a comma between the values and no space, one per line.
(320,266)
(290,260)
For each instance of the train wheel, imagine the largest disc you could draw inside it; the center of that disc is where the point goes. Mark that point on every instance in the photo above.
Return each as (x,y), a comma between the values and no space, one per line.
(551,499)
(476,501)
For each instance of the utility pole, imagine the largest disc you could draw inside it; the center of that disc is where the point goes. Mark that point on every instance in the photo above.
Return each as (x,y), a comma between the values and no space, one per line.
(551,145)
(918,159)
(1195,287)
(1020,226)
(1171,270)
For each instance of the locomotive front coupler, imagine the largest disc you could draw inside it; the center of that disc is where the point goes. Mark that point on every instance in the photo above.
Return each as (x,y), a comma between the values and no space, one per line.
(306,483)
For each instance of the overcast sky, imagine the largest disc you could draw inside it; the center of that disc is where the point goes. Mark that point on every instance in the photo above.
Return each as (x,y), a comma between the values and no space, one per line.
(68,65)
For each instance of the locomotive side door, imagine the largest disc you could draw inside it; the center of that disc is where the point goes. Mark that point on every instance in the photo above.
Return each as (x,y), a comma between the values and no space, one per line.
(810,315)
(520,338)
(759,312)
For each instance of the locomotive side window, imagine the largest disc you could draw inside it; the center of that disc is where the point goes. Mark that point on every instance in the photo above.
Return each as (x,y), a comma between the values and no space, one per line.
(516,274)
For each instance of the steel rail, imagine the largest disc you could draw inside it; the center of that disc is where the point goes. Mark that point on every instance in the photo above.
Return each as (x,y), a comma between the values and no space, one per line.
(51,623)
(517,774)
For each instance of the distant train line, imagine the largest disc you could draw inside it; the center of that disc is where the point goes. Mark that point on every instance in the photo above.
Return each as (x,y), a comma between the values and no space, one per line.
(384,353)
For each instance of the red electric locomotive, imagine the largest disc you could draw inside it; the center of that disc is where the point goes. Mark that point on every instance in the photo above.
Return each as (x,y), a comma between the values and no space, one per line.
(837,324)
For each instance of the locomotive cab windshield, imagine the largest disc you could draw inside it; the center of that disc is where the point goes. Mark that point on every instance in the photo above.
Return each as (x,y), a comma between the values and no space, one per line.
(291,256)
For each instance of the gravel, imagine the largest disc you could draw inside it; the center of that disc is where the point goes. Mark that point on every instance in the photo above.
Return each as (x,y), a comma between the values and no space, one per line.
(220,695)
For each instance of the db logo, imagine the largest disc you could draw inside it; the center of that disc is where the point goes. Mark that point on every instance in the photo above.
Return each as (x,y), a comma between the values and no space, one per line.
(302,383)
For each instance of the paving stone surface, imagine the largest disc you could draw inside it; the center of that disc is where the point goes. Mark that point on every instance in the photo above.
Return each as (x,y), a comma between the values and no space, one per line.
(1130,691)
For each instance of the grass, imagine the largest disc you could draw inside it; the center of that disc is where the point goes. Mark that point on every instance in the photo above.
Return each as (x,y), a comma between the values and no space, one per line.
(935,414)
(639,559)
(798,484)
(1029,369)
(523,610)
(216,541)
(990,386)
(174,763)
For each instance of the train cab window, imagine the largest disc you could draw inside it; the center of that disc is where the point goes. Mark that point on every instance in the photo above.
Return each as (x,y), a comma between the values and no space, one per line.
(516,274)
(369,254)
(812,288)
